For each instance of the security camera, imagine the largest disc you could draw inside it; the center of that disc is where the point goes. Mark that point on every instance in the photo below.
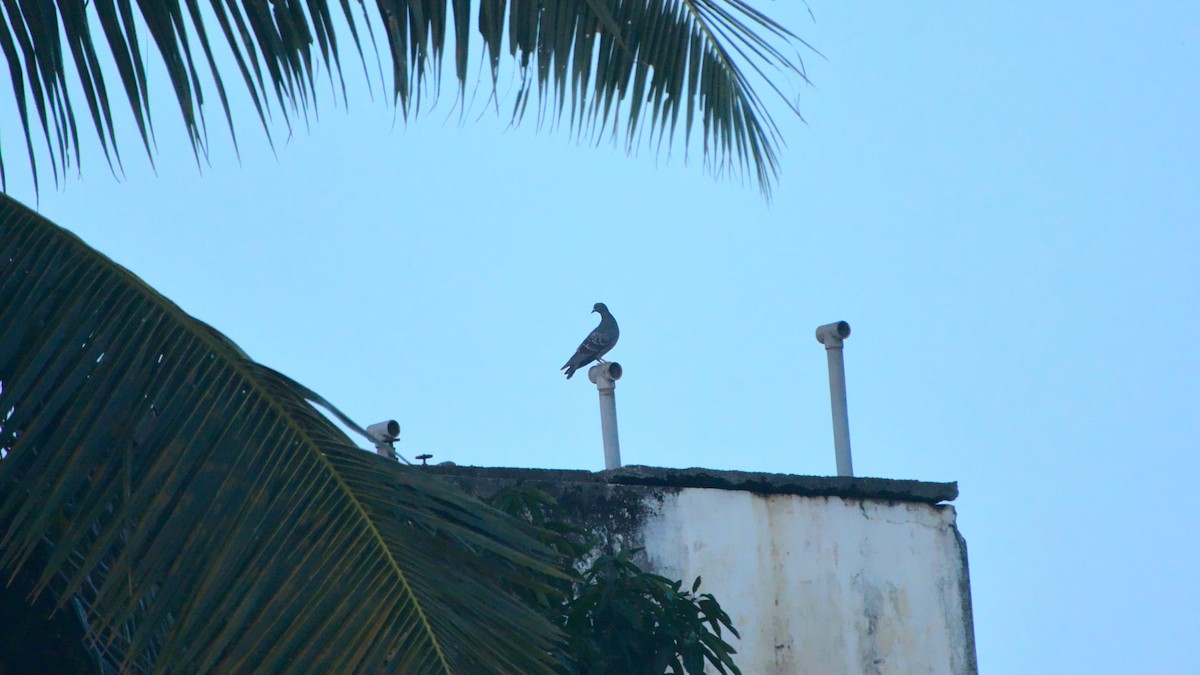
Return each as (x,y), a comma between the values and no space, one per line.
(384,432)
(832,334)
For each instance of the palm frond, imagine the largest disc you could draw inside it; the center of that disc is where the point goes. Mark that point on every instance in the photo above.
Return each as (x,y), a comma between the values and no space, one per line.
(616,69)
(206,516)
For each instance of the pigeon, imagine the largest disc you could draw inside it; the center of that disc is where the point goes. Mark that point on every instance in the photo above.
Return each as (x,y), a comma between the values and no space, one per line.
(596,344)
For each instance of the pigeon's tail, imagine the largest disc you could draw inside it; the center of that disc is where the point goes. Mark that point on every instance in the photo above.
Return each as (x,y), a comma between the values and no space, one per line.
(570,370)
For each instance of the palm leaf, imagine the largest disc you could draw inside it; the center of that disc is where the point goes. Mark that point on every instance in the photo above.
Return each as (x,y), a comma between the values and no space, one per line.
(206,516)
(629,66)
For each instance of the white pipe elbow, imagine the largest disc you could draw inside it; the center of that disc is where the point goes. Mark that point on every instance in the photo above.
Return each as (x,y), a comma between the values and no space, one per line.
(604,375)
(832,334)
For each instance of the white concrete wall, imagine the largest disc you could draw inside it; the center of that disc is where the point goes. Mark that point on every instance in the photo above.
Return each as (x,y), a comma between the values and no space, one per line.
(822,585)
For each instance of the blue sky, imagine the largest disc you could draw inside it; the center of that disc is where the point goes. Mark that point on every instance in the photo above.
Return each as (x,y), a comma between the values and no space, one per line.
(1000,198)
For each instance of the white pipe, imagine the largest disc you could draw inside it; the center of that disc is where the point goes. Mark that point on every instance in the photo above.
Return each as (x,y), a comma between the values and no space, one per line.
(605,376)
(831,335)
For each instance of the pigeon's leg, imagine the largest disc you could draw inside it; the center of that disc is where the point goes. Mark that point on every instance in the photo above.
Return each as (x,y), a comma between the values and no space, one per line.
(599,360)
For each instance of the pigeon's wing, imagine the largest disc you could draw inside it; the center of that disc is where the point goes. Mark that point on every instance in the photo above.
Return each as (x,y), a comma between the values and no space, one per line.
(593,346)
(596,343)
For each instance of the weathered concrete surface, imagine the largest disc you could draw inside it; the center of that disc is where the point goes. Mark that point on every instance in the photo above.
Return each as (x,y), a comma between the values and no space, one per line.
(778,483)
(762,483)
(824,585)
(616,514)
(820,575)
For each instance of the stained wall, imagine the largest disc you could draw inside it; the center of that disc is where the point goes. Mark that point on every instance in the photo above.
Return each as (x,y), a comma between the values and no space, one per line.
(820,575)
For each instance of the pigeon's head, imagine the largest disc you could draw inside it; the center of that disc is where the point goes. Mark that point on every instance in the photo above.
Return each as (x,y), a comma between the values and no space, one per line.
(599,307)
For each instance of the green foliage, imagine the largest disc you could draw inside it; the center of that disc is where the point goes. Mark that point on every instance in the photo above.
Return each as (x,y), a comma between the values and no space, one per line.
(612,67)
(208,517)
(618,617)
(34,638)
(569,543)
(626,620)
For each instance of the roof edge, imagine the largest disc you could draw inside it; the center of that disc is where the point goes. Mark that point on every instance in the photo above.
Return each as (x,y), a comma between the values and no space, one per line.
(763,483)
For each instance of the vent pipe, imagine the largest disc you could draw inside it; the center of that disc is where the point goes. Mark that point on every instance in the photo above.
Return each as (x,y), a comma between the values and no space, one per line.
(831,335)
(605,376)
